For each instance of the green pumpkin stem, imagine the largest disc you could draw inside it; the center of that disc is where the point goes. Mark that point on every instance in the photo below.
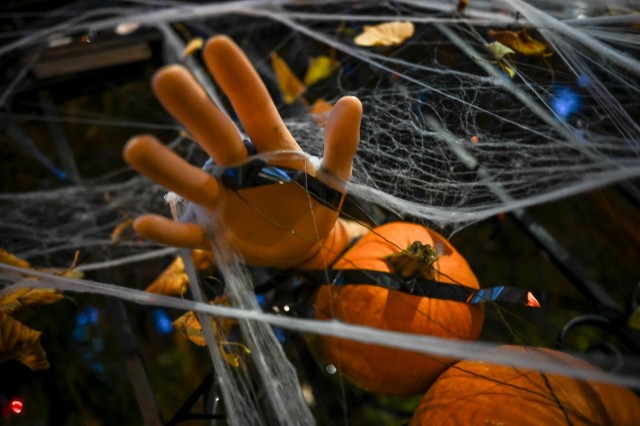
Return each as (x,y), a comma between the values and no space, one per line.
(415,261)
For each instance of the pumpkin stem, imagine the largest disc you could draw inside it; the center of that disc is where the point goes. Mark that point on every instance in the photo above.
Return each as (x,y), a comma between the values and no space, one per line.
(415,261)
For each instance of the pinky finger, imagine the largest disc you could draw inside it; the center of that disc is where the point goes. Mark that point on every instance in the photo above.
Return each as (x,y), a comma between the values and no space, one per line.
(171,233)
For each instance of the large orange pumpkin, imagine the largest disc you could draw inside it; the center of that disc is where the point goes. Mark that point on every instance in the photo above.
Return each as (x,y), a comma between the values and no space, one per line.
(382,369)
(479,393)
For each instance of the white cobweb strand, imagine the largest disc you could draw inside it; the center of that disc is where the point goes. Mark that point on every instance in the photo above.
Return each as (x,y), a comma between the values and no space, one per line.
(436,346)
(405,162)
(278,382)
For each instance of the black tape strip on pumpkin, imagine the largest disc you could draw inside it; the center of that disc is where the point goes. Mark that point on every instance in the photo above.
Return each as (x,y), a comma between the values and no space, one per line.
(257,172)
(445,291)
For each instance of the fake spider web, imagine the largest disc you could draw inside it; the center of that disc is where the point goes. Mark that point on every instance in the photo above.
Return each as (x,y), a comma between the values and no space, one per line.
(448,139)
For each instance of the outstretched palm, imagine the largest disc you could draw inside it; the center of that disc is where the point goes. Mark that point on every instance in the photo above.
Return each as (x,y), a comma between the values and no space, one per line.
(272,225)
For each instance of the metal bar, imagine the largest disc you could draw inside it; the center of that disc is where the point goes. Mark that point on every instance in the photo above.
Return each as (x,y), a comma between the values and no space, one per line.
(631,193)
(134,364)
(569,267)
(184,413)
(59,138)
(560,257)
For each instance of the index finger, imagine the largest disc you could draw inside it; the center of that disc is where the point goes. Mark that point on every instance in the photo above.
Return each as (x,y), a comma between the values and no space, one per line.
(250,98)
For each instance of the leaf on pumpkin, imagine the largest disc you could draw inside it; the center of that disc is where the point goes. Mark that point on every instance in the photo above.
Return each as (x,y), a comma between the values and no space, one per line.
(23,297)
(17,341)
(192,47)
(520,42)
(290,86)
(417,260)
(320,68)
(387,34)
(13,260)
(320,111)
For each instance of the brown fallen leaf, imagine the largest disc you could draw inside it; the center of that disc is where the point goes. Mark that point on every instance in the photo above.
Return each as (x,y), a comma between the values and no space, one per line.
(290,86)
(18,299)
(173,281)
(190,326)
(387,34)
(462,5)
(17,341)
(521,42)
(11,259)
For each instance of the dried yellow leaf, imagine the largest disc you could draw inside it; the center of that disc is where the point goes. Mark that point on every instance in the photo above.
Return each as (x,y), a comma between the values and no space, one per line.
(511,72)
(10,259)
(290,87)
(23,297)
(71,271)
(320,68)
(499,50)
(173,281)
(17,341)
(190,326)
(520,42)
(192,47)
(388,34)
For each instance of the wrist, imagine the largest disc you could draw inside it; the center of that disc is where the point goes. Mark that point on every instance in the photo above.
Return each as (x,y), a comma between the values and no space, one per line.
(328,251)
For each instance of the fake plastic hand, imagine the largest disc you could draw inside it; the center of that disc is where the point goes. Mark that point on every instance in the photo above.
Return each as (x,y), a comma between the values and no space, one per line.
(274,225)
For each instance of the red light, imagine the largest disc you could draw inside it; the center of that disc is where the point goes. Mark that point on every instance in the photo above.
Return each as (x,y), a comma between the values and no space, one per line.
(16,406)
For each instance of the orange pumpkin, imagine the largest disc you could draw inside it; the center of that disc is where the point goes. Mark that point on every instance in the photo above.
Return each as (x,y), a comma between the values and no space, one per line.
(382,369)
(479,393)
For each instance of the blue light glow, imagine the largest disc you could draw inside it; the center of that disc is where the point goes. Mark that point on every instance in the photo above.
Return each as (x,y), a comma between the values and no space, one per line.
(565,101)
(89,316)
(282,338)
(162,322)
(262,301)
(84,319)
(583,80)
